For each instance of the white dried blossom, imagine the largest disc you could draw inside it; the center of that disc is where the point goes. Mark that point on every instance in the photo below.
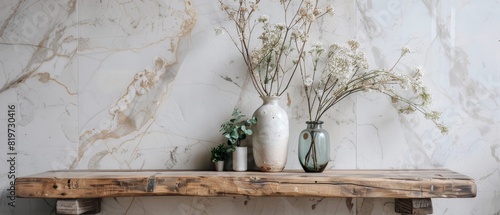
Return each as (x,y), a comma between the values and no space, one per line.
(319,92)
(334,47)
(307,13)
(257,56)
(404,82)
(318,11)
(225,7)
(280,26)
(317,48)
(394,99)
(418,73)
(442,128)
(243,9)
(308,82)
(310,16)
(253,5)
(407,110)
(361,61)
(330,10)
(433,115)
(353,44)
(405,50)
(425,97)
(299,34)
(263,18)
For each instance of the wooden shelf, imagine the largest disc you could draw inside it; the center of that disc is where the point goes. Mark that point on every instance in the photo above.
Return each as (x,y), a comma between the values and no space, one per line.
(81,191)
(333,183)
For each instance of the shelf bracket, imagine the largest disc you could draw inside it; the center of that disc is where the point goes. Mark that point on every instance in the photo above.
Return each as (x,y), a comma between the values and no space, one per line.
(413,206)
(78,206)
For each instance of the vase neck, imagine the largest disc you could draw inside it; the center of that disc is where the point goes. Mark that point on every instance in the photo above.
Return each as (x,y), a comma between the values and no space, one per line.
(314,124)
(270,99)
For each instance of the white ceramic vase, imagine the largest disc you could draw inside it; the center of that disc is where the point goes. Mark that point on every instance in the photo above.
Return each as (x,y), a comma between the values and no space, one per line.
(240,159)
(270,137)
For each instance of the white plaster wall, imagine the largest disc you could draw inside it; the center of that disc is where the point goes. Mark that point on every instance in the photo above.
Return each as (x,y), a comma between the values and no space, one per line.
(73,69)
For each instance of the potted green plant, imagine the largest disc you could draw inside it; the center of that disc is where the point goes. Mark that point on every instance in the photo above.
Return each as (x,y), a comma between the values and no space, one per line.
(236,130)
(220,154)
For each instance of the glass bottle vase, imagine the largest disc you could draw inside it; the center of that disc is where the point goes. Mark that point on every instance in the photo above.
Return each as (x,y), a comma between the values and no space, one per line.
(314,147)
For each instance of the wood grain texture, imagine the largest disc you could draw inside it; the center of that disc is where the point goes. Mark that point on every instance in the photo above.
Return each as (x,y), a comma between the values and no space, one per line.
(331,183)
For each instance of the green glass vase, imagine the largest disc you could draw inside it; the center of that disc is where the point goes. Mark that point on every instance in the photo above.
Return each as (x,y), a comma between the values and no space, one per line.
(314,147)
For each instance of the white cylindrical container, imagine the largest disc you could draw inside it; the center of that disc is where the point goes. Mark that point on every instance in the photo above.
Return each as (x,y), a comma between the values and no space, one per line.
(240,159)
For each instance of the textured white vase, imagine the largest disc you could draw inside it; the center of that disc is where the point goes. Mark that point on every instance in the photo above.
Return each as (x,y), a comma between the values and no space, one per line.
(270,137)
(240,159)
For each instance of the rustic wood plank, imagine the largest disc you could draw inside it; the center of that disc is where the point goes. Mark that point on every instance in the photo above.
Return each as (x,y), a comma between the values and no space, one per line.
(413,206)
(332,183)
(78,206)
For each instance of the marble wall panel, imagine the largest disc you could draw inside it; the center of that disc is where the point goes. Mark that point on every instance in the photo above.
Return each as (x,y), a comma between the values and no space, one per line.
(146,84)
(39,76)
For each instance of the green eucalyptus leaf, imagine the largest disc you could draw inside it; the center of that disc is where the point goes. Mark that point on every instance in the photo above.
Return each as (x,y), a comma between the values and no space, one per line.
(234,134)
(242,137)
(237,128)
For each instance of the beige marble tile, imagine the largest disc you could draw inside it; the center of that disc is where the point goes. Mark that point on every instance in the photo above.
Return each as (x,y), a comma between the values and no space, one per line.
(146,84)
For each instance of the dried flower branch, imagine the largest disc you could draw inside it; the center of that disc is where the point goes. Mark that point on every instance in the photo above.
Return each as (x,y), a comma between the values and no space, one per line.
(269,60)
(333,74)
